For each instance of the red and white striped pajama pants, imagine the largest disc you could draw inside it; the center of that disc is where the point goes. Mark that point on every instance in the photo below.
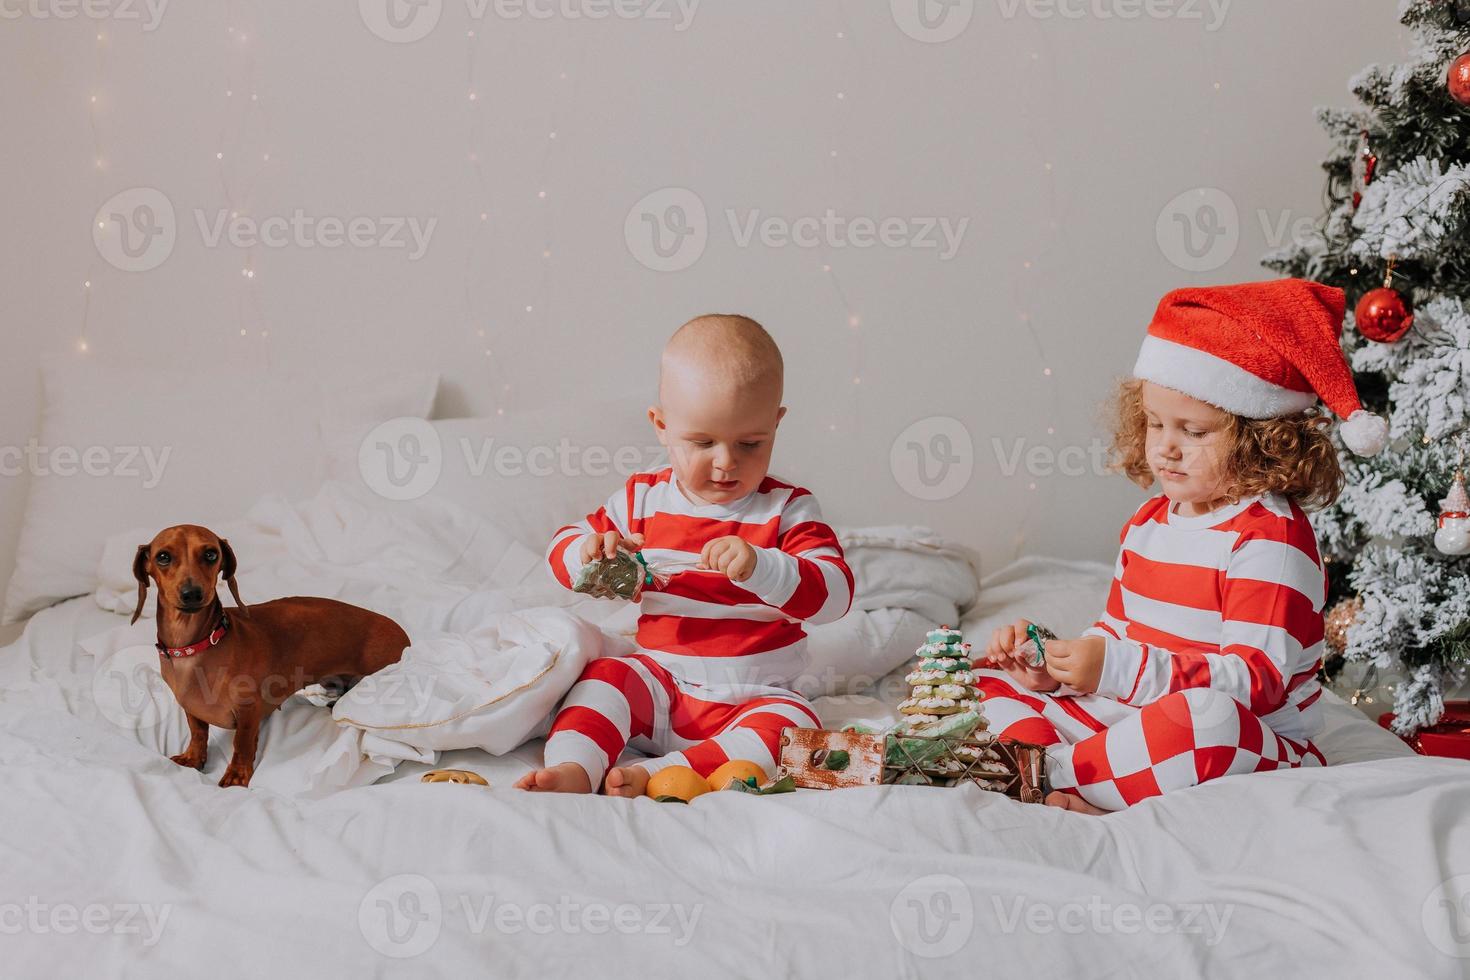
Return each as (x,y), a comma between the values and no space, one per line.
(634,700)
(1113,754)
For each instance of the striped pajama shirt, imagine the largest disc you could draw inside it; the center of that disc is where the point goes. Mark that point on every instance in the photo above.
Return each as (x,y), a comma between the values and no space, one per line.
(709,681)
(1214,637)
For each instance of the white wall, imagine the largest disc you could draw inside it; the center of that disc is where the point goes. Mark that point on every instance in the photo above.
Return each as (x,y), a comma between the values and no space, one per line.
(1058,139)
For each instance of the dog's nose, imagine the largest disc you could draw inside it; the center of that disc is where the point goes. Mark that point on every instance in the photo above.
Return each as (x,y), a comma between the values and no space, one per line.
(191,594)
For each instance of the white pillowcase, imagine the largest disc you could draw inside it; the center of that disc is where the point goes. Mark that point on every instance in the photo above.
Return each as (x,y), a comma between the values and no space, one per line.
(120,448)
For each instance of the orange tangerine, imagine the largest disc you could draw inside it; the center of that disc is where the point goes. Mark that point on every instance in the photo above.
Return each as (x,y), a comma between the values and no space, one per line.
(736,769)
(680,782)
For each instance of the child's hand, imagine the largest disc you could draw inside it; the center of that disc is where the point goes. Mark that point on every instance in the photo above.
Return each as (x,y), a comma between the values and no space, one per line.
(1077,663)
(731,555)
(1001,651)
(606,545)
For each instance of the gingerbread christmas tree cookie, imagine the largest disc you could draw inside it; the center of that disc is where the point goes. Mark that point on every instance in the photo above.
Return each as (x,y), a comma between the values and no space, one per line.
(942,683)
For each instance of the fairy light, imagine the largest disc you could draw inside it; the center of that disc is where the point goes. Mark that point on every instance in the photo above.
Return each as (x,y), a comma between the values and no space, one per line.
(239,167)
(83,342)
(1021,287)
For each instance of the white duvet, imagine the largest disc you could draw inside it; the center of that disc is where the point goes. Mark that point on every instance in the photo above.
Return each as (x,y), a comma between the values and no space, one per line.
(118,863)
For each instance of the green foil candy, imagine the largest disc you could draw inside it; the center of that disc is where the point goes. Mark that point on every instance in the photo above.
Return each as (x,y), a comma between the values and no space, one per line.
(622,577)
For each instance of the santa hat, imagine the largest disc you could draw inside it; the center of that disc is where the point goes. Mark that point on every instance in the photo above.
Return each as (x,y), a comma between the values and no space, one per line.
(1261,350)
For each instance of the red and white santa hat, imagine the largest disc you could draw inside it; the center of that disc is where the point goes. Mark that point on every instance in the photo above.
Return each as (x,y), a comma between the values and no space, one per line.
(1261,350)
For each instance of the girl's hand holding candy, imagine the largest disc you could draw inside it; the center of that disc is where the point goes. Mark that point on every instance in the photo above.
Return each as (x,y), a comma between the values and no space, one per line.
(1002,651)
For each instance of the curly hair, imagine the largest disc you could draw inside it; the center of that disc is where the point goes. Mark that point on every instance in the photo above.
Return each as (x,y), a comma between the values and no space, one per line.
(1291,455)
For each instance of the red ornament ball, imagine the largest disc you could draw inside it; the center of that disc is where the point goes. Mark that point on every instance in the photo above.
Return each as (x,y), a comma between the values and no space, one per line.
(1384,315)
(1459,81)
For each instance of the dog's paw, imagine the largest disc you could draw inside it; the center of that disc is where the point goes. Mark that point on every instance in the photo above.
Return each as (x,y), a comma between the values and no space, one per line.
(188,760)
(236,774)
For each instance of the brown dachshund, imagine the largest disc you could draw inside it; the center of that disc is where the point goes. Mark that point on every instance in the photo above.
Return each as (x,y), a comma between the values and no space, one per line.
(232,668)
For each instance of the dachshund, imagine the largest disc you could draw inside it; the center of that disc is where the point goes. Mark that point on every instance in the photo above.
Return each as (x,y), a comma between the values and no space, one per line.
(232,668)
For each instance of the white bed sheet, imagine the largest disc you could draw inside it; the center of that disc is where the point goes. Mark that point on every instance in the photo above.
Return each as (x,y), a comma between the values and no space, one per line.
(1341,870)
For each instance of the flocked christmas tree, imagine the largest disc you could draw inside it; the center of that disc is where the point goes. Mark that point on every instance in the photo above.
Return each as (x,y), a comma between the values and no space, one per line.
(1397,239)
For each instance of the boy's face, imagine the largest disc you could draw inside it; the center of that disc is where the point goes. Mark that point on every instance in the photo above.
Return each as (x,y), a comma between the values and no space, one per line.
(1185,445)
(719,439)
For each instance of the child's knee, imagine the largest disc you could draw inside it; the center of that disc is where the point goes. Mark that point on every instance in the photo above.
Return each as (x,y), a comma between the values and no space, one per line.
(615,672)
(1213,717)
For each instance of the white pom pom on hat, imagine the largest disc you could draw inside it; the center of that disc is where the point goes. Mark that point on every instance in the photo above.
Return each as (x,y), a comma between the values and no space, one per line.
(1364,433)
(1260,350)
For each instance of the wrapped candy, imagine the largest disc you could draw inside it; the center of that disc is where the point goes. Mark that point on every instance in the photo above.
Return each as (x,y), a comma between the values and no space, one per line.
(1033,649)
(625,576)
(620,577)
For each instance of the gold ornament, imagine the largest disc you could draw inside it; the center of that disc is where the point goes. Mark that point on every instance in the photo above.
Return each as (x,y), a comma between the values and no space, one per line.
(1337,621)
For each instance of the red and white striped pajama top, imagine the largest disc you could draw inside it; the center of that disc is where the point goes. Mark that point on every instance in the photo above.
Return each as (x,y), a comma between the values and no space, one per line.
(700,625)
(1230,600)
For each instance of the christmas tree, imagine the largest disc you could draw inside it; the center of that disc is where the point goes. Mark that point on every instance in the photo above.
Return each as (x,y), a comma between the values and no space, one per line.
(1397,238)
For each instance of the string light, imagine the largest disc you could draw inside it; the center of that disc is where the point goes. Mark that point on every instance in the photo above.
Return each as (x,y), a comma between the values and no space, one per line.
(83,344)
(239,167)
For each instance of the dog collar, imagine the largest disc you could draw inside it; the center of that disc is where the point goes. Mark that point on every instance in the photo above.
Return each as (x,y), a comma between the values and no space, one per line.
(217,634)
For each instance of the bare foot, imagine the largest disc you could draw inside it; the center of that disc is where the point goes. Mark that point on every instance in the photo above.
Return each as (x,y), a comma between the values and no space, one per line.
(568,777)
(625,781)
(1069,801)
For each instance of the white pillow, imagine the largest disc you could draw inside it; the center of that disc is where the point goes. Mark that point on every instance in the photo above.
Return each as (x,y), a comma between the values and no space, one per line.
(120,448)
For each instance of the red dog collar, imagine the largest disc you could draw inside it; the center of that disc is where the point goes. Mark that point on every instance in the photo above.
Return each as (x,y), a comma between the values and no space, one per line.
(174,653)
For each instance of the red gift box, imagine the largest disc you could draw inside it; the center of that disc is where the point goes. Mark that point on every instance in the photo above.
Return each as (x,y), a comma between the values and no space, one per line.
(1447,738)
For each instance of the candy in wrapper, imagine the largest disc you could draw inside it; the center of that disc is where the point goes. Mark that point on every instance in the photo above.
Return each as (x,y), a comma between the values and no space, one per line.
(1033,649)
(621,577)
(627,575)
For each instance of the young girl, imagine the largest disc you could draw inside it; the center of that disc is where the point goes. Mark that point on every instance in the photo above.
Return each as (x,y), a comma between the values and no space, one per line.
(1204,663)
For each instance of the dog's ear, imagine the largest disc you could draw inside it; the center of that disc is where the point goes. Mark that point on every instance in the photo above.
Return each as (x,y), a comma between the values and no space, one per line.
(140,572)
(227,566)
